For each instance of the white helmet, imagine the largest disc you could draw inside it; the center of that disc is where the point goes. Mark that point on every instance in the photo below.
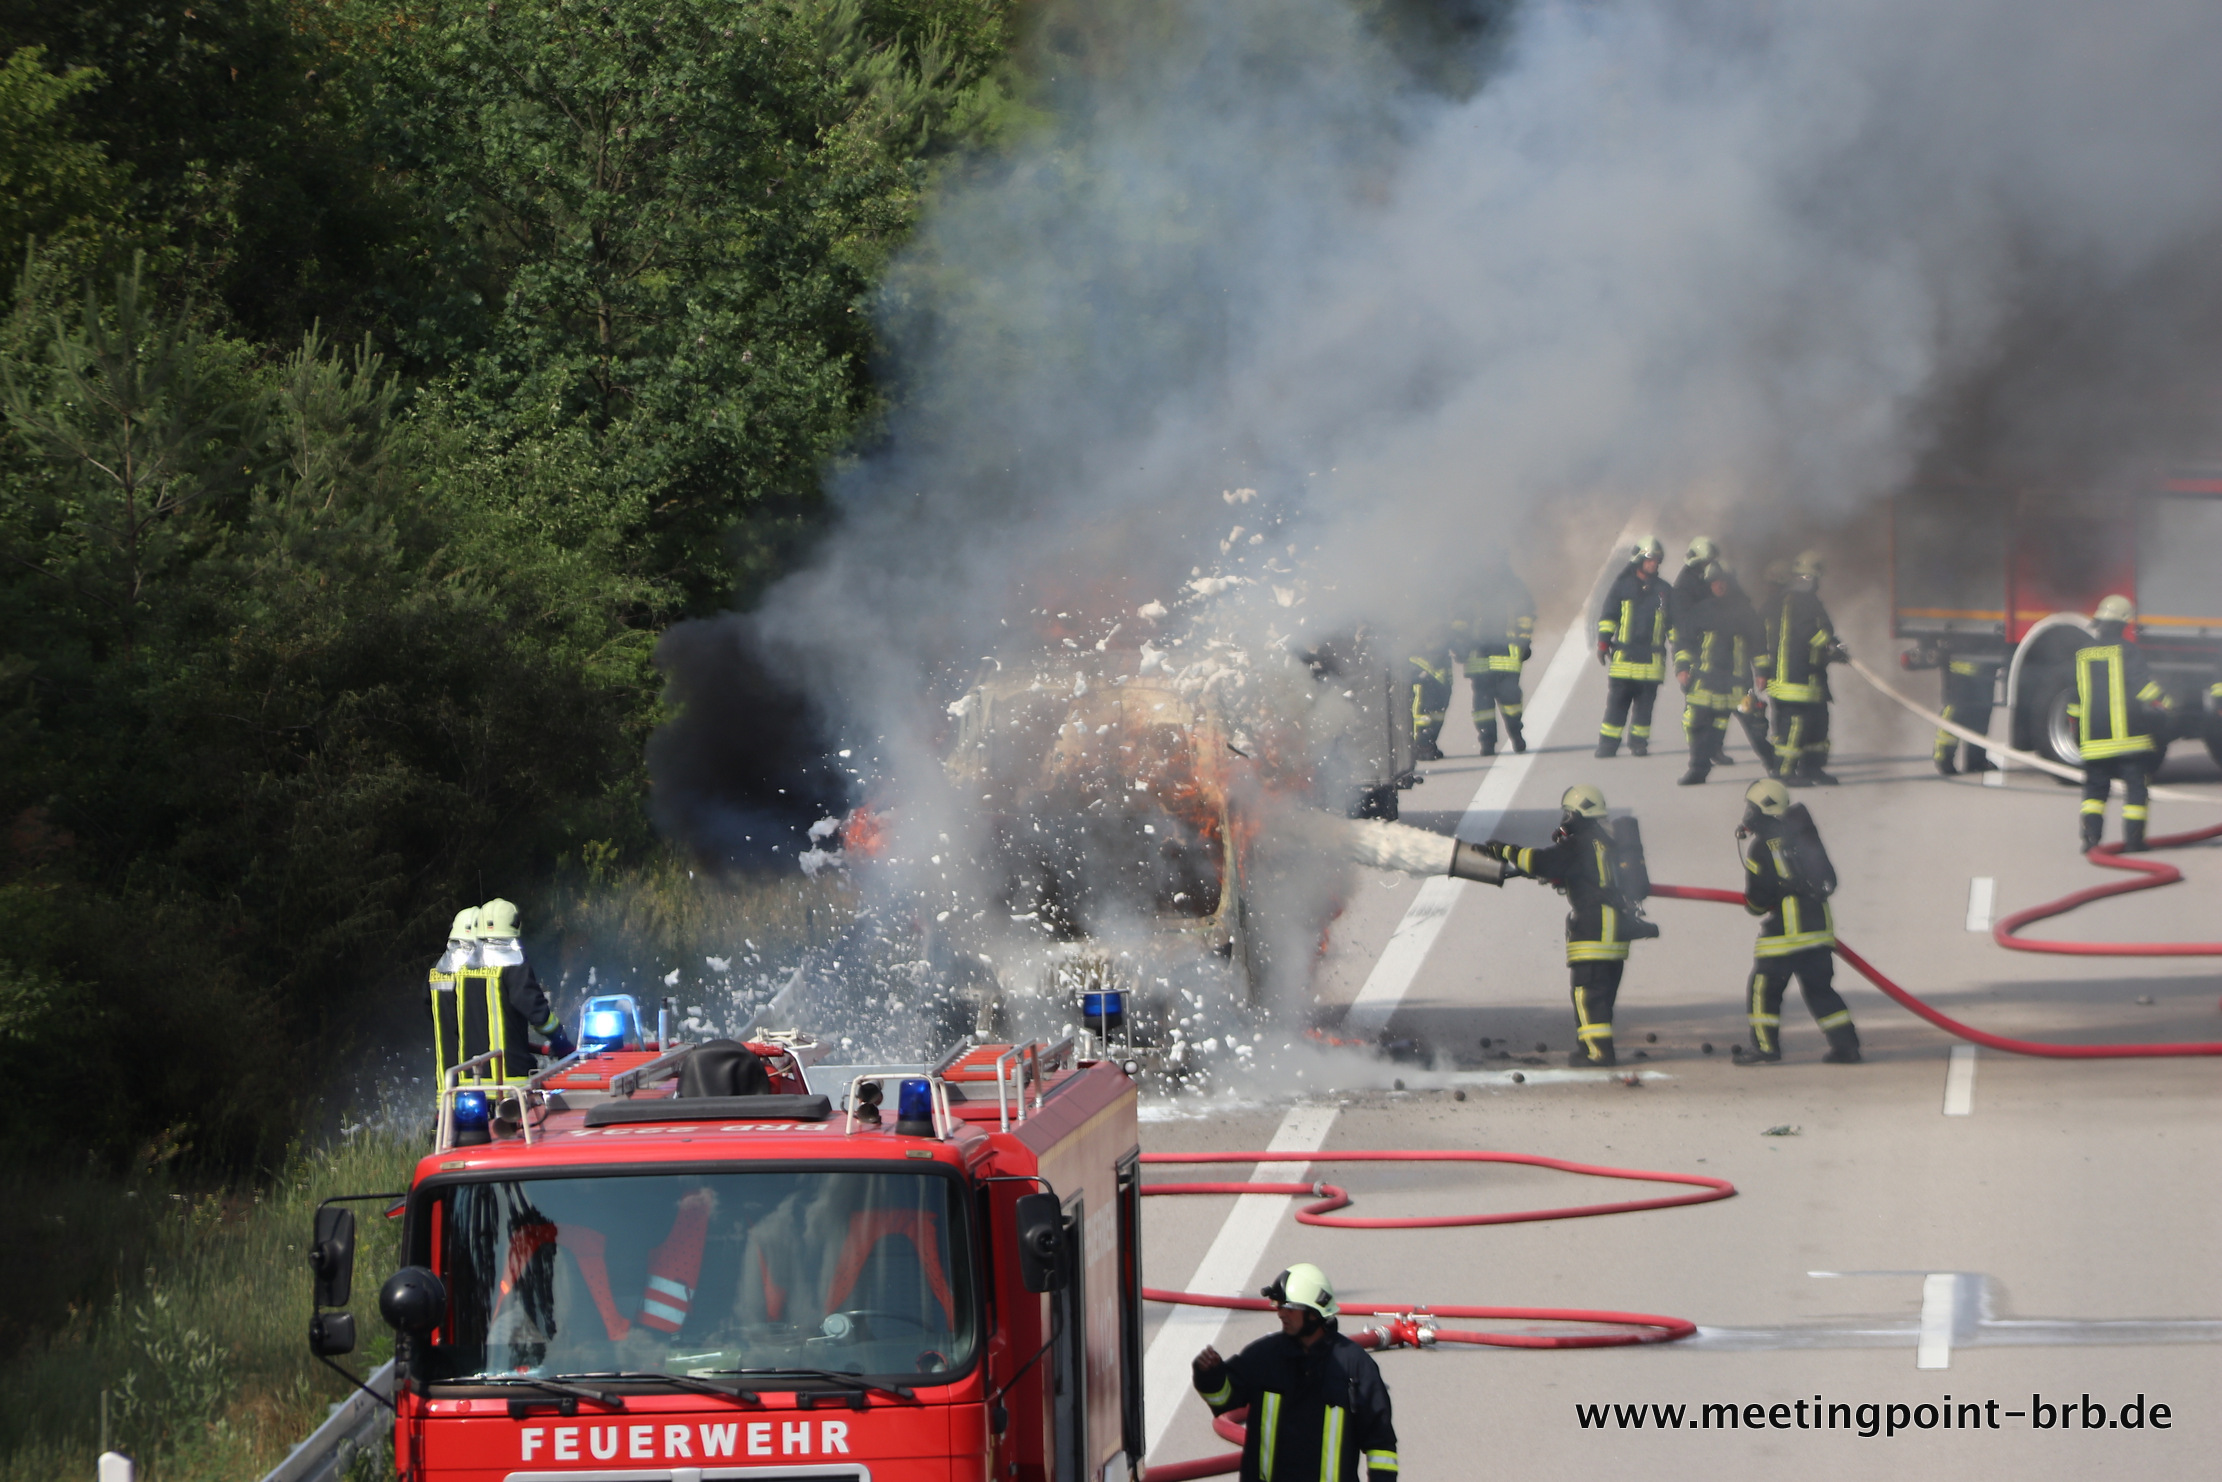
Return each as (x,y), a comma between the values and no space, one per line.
(465,928)
(2116,609)
(1303,1285)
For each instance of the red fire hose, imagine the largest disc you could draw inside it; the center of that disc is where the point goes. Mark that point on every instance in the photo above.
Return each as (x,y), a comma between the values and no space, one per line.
(1414,1327)
(2152,874)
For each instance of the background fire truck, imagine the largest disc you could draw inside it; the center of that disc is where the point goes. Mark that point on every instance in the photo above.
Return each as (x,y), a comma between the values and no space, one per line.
(624,1270)
(2014,574)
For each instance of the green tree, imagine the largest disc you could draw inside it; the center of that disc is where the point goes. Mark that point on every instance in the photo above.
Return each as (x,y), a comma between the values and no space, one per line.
(664,218)
(51,182)
(143,432)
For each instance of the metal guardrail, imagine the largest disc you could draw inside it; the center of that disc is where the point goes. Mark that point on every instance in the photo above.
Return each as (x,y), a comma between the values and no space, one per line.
(351,1429)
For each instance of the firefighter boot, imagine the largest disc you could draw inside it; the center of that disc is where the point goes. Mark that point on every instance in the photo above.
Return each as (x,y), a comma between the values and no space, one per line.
(2094,825)
(1843,1046)
(1639,744)
(1608,745)
(2133,836)
(1487,735)
(1945,754)
(1519,737)
(1742,1056)
(1598,1056)
(1701,759)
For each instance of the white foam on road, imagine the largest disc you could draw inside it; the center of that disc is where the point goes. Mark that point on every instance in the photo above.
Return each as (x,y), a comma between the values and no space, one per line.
(1940,1292)
(1409,944)
(1959,1082)
(1981,892)
(1226,1270)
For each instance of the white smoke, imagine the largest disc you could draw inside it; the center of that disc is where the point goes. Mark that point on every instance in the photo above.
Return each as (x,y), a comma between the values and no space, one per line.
(1670,253)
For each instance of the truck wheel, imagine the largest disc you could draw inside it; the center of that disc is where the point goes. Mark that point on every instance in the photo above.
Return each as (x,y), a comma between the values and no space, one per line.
(2050,730)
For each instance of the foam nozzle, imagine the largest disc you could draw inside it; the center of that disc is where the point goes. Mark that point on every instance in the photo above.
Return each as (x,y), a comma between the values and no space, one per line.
(1468,862)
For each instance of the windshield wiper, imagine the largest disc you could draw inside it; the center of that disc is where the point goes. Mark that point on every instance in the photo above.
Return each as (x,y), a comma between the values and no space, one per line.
(571,1392)
(690,1382)
(854,1381)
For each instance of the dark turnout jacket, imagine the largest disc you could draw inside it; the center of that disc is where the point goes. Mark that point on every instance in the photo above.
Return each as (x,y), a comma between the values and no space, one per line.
(1313,1411)
(1580,865)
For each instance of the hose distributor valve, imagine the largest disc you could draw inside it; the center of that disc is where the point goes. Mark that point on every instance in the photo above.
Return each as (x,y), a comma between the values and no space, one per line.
(1412,1330)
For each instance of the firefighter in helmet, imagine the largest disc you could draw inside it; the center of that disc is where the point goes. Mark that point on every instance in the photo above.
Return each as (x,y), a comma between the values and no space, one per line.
(513,1000)
(1495,640)
(1317,1401)
(1970,679)
(442,986)
(1788,880)
(1691,585)
(1632,633)
(1432,669)
(1801,644)
(1582,863)
(1715,641)
(2118,707)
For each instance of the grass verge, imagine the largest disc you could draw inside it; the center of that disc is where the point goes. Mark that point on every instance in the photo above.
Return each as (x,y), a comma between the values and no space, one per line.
(202,1348)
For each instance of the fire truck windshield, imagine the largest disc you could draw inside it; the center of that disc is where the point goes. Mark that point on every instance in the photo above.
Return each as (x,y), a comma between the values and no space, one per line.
(865,1273)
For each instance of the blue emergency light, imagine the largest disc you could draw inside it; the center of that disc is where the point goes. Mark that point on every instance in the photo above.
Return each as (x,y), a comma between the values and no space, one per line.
(610,1022)
(470,1109)
(914,1110)
(1106,1011)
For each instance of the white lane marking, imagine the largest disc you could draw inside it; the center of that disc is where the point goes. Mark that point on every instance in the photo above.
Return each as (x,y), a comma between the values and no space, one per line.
(1408,946)
(1940,1292)
(1981,891)
(1226,1270)
(1959,1082)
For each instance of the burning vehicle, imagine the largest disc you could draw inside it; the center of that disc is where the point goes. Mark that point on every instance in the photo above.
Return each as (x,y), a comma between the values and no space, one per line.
(1142,818)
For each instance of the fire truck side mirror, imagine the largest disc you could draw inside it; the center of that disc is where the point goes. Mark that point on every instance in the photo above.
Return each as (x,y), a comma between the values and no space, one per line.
(332,1256)
(332,1334)
(413,1300)
(1044,1255)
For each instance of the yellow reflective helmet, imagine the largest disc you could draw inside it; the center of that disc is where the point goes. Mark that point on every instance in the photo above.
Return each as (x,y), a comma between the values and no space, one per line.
(1650,548)
(466,925)
(1303,1285)
(2116,609)
(497,918)
(1583,800)
(1808,563)
(1703,549)
(1769,796)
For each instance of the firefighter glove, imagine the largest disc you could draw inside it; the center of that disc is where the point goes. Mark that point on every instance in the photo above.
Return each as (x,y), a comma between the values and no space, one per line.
(560,1043)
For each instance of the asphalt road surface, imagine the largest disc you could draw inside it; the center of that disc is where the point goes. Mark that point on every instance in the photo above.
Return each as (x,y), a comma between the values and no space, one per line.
(1990,1228)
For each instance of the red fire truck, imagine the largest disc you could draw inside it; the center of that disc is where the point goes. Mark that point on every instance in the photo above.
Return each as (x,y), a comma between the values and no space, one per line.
(867,1274)
(2012,575)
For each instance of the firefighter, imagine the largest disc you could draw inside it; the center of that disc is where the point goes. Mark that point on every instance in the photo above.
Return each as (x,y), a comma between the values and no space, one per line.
(1691,585)
(1316,1400)
(1970,679)
(442,982)
(1752,714)
(1801,644)
(1788,880)
(1580,863)
(1495,642)
(1715,642)
(2117,706)
(1431,690)
(1632,645)
(514,999)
